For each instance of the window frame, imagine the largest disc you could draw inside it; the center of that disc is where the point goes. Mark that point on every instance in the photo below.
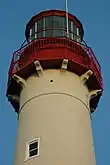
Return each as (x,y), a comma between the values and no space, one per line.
(35,30)
(78,35)
(72,31)
(30,34)
(27,155)
(44,26)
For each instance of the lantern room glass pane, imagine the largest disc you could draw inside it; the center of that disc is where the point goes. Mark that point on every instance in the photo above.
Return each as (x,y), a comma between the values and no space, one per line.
(40,34)
(58,33)
(70,29)
(75,37)
(40,24)
(40,28)
(59,22)
(49,22)
(55,26)
(49,33)
(69,25)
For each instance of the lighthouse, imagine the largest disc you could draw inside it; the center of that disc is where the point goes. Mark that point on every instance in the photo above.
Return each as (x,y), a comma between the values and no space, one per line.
(54,84)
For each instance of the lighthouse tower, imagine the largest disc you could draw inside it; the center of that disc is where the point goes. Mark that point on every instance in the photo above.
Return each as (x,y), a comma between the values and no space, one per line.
(54,85)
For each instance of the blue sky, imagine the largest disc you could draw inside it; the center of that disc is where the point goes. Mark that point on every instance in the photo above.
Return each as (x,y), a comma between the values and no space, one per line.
(95,17)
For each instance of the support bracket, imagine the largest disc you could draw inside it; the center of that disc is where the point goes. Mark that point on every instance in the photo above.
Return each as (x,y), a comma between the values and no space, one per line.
(64,65)
(14,97)
(38,68)
(95,93)
(84,77)
(19,80)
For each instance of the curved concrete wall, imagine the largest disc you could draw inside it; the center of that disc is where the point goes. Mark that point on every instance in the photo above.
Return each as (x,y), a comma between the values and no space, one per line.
(55,108)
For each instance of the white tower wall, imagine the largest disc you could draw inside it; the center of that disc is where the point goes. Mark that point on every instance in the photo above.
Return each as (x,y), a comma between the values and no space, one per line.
(58,113)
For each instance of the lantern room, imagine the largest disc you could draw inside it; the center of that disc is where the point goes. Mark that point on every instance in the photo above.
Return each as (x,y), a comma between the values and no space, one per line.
(53,23)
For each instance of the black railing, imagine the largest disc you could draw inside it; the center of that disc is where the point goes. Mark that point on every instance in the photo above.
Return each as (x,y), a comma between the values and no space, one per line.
(36,36)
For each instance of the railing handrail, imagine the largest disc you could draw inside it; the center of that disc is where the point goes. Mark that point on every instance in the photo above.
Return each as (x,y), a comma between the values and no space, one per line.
(93,55)
(83,43)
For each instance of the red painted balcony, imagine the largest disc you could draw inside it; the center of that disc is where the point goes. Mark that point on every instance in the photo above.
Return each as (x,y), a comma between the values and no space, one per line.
(46,49)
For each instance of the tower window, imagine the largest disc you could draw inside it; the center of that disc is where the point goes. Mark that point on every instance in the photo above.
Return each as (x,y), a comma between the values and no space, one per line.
(33,148)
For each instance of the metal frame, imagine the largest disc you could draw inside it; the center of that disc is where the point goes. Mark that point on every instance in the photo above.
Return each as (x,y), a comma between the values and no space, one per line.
(27,149)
